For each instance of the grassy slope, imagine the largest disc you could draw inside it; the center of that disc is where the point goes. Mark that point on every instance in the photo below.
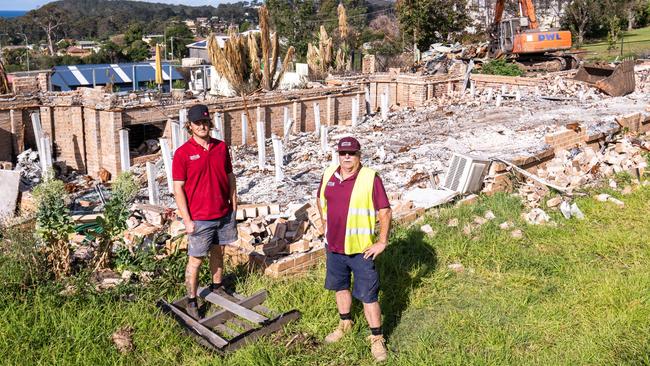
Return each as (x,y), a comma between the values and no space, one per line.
(636,42)
(572,294)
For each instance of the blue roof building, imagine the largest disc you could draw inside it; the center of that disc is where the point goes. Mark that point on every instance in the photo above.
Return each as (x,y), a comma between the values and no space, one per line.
(123,76)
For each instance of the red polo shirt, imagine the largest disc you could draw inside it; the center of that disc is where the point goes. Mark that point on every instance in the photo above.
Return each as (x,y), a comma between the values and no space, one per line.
(205,173)
(338,193)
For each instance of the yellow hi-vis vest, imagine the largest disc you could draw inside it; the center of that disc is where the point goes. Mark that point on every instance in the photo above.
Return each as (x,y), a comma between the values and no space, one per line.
(360,225)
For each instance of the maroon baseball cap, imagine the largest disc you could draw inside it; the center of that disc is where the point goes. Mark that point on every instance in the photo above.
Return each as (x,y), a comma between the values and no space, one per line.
(349,144)
(198,112)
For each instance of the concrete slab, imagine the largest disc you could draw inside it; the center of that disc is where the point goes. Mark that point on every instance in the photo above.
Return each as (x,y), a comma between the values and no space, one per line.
(9,181)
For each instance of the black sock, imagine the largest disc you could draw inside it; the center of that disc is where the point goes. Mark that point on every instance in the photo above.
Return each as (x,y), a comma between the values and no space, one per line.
(345,316)
(192,302)
(215,286)
(375,331)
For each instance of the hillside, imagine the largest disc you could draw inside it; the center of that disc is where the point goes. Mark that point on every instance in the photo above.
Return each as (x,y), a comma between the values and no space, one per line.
(101,18)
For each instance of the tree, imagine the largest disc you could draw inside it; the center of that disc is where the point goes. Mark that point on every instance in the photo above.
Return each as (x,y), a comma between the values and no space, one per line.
(138,51)
(580,15)
(428,21)
(295,21)
(133,33)
(49,19)
(180,35)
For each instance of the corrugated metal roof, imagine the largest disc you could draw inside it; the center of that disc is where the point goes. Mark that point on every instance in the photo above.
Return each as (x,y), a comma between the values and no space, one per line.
(72,76)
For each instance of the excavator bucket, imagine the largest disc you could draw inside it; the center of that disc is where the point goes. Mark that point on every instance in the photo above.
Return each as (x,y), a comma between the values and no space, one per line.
(613,81)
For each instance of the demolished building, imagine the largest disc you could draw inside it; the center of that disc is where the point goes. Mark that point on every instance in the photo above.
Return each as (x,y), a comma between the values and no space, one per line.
(410,126)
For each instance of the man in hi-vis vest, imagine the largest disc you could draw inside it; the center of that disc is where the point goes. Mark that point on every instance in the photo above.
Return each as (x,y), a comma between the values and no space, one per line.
(349,199)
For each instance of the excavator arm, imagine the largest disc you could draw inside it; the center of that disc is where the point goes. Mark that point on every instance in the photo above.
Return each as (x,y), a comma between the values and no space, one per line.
(527,8)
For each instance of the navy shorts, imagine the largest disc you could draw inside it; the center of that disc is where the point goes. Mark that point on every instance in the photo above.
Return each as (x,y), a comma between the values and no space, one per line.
(366,278)
(221,231)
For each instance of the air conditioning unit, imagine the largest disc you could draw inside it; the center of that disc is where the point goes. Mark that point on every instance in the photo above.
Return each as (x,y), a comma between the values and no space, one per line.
(465,174)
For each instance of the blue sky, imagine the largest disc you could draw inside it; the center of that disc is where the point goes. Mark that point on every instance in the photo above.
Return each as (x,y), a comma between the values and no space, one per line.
(33,4)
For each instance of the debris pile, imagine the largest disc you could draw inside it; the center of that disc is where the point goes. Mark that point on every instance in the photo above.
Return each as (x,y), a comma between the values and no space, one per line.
(30,169)
(579,167)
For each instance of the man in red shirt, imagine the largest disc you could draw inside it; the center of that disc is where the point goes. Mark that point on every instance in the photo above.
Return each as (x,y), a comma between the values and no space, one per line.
(206,196)
(348,198)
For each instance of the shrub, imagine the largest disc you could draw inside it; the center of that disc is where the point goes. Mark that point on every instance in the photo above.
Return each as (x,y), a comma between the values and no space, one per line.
(501,67)
(54,225)
(116,212)
(178,84)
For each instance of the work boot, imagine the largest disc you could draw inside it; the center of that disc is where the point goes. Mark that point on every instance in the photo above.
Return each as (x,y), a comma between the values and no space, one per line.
(192,309)
(338,333)
(377,347)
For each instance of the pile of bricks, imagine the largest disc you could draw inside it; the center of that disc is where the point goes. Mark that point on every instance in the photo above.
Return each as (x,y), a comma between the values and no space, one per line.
(278,243)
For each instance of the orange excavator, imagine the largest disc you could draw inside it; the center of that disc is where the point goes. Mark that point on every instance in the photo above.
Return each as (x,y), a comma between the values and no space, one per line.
(521,39)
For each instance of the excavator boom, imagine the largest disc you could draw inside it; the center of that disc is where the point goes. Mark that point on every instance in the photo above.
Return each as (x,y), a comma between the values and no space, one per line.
(527,9)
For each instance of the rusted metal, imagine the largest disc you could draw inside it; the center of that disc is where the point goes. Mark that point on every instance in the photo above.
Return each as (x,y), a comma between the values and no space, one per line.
(613,81)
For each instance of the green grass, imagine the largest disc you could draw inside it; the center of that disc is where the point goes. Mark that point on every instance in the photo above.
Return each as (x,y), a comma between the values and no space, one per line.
(635,43)
(575,294)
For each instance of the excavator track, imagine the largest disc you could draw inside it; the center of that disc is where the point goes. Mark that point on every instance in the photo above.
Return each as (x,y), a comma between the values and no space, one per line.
(548,63)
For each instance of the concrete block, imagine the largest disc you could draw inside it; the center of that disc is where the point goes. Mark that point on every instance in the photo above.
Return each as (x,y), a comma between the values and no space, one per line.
(9,181)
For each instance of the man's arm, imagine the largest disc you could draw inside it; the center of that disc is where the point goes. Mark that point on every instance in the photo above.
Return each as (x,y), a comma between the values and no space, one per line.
(323,220)
(233,191)
(181,203)
(385,216)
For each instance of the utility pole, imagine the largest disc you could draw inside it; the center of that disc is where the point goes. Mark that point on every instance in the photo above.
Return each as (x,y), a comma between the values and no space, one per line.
(26,49)
(172,43)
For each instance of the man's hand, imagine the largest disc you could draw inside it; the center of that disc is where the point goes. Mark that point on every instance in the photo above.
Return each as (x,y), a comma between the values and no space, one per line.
(189,226)
(374,250)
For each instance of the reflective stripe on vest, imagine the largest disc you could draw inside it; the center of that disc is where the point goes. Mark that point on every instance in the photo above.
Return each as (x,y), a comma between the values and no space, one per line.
(361,221)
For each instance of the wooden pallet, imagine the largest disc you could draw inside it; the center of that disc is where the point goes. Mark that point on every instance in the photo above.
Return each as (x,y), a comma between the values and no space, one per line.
(230,320)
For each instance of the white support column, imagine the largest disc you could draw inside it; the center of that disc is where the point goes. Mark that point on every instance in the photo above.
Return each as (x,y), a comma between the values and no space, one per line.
(167,161)
(176,135)
(287,129)
(384,105)
(490,94)
(518,95)
(244,128)
(125,155)
(217,131)
(38,133)
(504,89)
(277,151)
(472,88)
(355,110)
(45,155)
(323,139)
(261,148)
(498,101)
(295,118)
(152,185)
(182,120)
(317,118)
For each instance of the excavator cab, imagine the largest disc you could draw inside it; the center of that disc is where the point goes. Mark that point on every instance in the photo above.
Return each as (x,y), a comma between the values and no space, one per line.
(504,36)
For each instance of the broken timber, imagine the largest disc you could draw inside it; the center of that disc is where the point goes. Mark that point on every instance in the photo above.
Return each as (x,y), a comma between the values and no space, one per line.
(218,329)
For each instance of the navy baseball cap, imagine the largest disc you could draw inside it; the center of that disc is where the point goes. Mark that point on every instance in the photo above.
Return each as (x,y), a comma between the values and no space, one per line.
(349,144)
(198,112)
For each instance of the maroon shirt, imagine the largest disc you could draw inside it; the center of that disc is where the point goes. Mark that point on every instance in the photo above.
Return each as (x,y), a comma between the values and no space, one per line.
(338,194)
(205,173)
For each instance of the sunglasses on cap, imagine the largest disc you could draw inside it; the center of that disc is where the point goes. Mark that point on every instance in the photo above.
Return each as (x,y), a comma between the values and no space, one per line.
(348,153)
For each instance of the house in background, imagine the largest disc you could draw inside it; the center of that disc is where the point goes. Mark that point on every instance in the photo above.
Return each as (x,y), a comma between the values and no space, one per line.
(123,76)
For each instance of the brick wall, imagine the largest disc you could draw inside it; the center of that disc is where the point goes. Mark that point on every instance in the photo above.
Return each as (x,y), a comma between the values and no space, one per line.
(93,137)
(565,138)
(110,123)
(70,144)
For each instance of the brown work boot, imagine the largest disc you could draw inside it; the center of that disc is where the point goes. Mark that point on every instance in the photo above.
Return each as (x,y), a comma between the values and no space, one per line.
(377,347)
(338,333)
